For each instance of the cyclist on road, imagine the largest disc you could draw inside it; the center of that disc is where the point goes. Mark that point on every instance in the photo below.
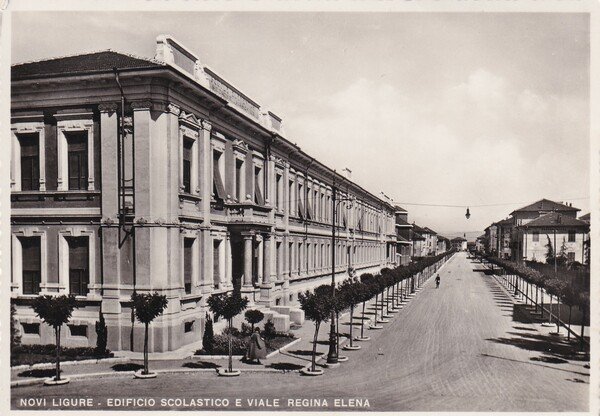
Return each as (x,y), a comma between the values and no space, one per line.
(437,281)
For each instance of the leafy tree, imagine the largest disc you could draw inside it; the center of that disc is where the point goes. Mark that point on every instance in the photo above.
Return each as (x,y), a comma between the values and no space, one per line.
(147,307)
(269,331)
(352,290)
(317,307)
(101,336)
(228,306)
(254,316)
(55,311)
(208,338)
(15,333)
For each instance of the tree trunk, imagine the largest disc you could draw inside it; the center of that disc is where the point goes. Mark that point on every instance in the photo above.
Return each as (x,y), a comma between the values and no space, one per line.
(582,329)
(550,309)
(558,316)
(542,302)
(230,365)
(362,321)
(569,331)
(146,348)
(314,350)
(536,298)
(57,334)
(375,322)
(351,323)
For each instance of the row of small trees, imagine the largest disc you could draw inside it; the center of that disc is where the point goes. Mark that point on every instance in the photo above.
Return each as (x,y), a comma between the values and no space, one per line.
(318,305)
(388,288)
(526,280)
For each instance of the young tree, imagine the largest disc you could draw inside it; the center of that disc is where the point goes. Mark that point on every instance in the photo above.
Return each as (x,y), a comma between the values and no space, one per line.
(228,306)
(55,311)
(368,290)
(254,316)
(317,307)
(208,338)
(147,307)
(352,291)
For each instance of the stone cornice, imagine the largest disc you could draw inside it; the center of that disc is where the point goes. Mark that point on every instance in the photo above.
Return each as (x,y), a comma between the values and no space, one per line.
(108,107)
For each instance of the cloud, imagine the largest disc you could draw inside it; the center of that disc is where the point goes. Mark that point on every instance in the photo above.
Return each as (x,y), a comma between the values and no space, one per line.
(480,141)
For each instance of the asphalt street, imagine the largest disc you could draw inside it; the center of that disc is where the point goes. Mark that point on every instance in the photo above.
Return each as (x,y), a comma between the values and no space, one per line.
(456,348)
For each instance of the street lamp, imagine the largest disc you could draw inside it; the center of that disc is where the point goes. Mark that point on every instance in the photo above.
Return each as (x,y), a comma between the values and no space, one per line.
(332,355)
(468,214)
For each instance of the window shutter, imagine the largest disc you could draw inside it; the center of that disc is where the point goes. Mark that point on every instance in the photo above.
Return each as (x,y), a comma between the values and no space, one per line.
(218,182)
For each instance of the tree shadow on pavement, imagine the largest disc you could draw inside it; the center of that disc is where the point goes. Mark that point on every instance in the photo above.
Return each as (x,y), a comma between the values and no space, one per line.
(302,352)
(39,373)
(127,367)
(550,345)
(201,364)
(285,366)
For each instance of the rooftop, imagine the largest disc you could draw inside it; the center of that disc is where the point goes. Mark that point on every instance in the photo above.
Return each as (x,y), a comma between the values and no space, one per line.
(86,62)
(555,219)
(546,205)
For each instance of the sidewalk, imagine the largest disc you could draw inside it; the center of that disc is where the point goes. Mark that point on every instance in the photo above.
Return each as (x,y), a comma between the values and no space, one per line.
(291,359)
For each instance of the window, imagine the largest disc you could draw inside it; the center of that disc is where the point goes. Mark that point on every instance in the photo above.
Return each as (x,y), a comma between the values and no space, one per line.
(79,276)
(299,258)
(218,187)
(188,256)
(301,213)
(258,185)
(239,178)
(216,263)
(78,330)
(290,257)
(30,162)
(291,197)
(32,271)
(278,191)
(188,326)
(187,165)
(535,236)
(77,154)
(572,234)
(31,329)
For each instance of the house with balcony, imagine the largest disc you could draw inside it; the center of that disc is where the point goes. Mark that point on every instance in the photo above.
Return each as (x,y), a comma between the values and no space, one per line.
(156,174)
(404,236)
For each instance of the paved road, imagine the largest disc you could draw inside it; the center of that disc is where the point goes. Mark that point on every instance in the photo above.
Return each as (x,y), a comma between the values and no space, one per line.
(457,348)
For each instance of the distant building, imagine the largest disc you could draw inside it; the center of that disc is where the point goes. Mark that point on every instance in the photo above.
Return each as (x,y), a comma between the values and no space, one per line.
(443,244)
(404,236)
(564,233)
(459,243)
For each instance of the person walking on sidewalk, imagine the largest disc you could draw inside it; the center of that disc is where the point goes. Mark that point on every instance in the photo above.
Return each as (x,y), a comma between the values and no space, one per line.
(437,281)
(256,347)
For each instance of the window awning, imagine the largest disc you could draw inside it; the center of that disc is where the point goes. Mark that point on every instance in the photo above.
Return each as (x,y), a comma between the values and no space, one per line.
(219,188)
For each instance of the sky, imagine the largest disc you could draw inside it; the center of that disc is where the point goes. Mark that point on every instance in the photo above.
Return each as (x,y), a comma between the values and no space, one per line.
(461,109)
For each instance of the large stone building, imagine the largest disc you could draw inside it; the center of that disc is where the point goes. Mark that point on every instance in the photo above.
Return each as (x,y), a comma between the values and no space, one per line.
(159,175)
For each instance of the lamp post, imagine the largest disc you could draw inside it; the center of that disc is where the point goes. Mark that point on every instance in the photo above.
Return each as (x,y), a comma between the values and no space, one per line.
(332,355)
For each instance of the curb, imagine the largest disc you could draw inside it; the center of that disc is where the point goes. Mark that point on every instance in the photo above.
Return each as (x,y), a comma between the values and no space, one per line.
(43,366)
(285,347)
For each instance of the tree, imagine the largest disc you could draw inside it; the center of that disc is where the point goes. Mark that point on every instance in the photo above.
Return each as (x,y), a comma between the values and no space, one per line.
(55,311)
(208,338)
(228,306)
(317,307)
(254,316)
(101,336)
(352,292)
(15,333)
(147,307)
(549,251)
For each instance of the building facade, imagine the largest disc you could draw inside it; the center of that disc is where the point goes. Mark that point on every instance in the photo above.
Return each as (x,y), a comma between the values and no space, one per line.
(162,176)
